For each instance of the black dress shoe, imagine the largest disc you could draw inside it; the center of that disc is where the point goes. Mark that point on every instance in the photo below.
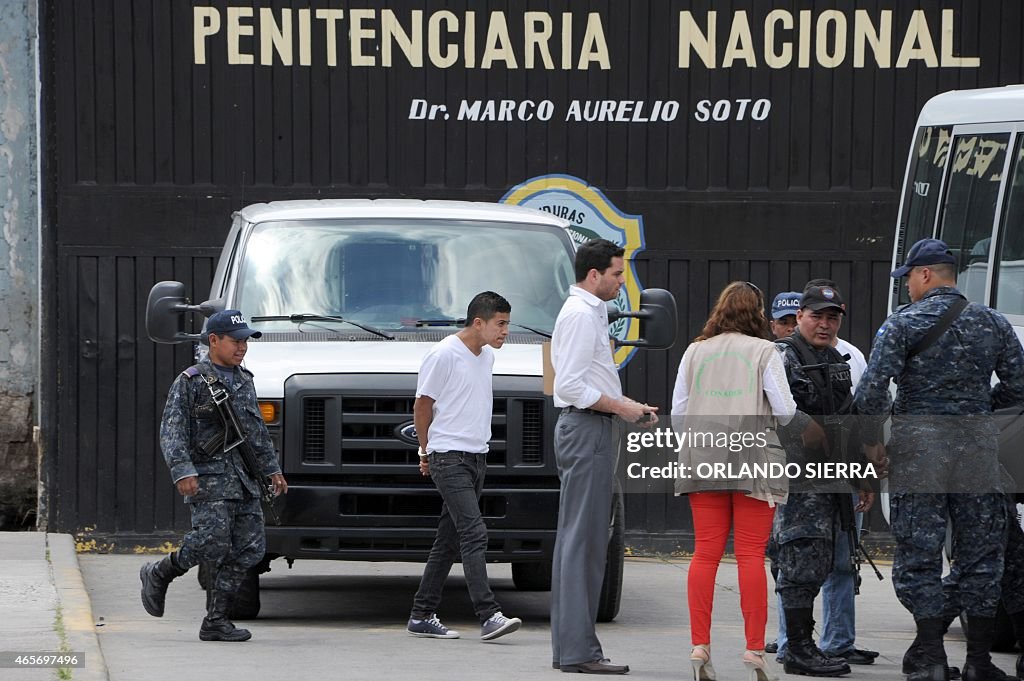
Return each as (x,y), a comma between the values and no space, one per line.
(596,667)
(772,647)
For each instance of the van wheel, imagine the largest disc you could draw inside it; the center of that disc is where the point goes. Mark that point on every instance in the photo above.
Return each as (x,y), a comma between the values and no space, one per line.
(246,604)
(532,576)
(611,590)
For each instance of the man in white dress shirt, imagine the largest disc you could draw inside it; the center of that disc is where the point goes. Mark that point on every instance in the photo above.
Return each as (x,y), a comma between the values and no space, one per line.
(589,393)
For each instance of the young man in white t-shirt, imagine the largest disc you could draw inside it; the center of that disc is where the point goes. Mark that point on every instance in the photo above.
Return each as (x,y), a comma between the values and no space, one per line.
(452,414)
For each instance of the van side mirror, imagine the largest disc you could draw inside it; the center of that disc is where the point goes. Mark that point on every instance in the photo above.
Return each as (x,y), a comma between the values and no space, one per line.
(166,309)
(658,319)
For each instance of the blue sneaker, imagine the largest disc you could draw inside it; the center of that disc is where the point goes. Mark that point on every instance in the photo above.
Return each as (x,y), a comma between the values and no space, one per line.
(430,628)
(499,625)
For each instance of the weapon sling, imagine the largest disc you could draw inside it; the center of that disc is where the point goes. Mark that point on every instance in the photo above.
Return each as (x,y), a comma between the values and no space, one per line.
(239,440)
(820,374)
(940,327)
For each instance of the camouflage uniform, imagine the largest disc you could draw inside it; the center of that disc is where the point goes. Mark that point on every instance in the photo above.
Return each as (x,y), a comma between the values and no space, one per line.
(943,442)
(227,520)
(1013,566)
(1012,586)
(804,529)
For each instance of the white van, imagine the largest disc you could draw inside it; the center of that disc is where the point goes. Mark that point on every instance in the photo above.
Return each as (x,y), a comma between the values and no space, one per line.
(350,294)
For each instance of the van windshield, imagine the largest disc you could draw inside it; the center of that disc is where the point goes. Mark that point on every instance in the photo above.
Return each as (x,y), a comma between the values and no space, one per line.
(392,273)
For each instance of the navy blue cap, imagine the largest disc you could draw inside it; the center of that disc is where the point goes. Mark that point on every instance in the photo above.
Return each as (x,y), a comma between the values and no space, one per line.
(925,252)
(821,298)
(786,303)
(230,323)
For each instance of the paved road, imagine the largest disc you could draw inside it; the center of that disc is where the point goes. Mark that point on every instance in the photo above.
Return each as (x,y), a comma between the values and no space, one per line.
(334,620)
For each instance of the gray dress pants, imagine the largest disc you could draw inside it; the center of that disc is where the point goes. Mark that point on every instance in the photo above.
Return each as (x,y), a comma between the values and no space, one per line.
(586,449)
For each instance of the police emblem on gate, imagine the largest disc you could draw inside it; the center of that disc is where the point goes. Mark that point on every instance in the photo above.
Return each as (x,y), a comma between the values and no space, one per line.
(406,432)
(591,215)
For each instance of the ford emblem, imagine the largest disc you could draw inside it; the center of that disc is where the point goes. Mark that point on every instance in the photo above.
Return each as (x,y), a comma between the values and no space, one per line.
(407,433)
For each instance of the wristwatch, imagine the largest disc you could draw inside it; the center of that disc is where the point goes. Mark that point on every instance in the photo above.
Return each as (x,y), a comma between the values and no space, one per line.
(423,454)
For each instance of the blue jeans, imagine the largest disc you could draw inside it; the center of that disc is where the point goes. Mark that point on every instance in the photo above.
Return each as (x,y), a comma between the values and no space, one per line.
(838,621)
(459,477)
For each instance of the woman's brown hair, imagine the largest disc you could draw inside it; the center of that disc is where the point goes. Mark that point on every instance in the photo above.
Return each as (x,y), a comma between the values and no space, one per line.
(740,309)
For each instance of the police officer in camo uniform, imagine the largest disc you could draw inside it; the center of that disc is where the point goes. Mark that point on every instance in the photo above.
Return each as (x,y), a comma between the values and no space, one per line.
(1012,591)
(805,527)
(227,519)
(944,453)
(1013,577)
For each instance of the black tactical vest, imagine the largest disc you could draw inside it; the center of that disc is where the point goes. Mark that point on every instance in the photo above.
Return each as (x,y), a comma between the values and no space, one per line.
(831,376)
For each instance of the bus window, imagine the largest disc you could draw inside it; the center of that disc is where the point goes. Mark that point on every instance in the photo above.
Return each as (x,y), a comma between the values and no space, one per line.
(972,190)
(1009,296)
(921,201)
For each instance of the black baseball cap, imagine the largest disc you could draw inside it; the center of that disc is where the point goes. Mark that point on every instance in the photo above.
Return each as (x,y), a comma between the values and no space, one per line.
(821,298)
(230,323)
(925,252)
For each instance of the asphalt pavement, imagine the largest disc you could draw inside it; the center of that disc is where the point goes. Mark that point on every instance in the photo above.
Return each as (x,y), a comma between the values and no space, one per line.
(346,620)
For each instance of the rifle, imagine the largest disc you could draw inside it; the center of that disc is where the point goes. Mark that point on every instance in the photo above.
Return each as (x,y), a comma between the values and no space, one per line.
(226,409)
(848,524)
(837,433)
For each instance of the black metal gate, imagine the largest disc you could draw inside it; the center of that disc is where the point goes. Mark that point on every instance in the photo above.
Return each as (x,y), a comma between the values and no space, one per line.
(148,147)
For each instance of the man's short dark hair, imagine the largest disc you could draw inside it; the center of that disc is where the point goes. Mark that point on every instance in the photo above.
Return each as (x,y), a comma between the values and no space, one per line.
(597,255)
(944,270)
(485,305)
(820,282)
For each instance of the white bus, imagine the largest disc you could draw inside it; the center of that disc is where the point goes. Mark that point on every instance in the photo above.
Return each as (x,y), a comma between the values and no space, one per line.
(965,185)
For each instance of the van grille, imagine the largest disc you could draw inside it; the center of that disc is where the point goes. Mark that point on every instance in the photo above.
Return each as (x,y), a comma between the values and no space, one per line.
(314,437)
(533,432)
(371,425)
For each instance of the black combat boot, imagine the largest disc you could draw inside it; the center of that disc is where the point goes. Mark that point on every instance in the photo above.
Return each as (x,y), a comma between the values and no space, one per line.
(914,657)
(979,667)
(931,655)
(216,625)
(802,656)
(155,578)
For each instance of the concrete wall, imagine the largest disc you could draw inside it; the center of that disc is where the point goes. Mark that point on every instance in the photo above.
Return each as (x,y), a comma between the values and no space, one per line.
(19,261)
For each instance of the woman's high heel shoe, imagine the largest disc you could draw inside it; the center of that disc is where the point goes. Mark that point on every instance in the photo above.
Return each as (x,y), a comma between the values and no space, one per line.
(700,658)
(757,666)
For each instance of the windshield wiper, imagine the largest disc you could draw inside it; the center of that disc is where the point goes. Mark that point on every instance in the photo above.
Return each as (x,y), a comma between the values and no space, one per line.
(462,322)
(546,334)
(303,317)
(440,322)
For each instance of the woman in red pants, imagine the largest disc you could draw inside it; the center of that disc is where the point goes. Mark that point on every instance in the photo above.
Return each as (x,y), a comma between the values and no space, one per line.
(732,386)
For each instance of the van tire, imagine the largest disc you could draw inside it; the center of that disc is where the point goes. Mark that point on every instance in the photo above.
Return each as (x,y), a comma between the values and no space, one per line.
(532,576)
(611,590)
(246,604)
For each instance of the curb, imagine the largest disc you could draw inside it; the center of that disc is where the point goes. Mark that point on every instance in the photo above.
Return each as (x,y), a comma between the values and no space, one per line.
(79,625)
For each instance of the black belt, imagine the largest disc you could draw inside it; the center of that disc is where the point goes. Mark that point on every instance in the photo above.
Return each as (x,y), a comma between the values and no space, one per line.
(593,412)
